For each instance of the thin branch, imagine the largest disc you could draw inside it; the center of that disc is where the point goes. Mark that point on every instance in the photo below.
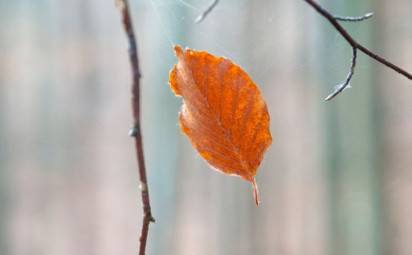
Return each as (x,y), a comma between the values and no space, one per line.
(334,20)
(353,42)
(345,84)
(135,131)
(203,15)
(354,19)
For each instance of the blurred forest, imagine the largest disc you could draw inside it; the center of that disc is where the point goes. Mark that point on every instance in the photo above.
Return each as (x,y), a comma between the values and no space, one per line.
(336,180)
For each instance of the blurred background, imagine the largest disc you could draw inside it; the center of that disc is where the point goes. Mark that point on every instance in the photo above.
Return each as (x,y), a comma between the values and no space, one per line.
(336,180)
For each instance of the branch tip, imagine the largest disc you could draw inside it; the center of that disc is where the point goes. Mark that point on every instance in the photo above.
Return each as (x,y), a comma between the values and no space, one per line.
(354,19)
(346,83)
(203,15)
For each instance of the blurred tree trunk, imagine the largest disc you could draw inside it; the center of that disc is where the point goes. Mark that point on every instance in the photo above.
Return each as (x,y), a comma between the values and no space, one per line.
(4,159)
(394,40)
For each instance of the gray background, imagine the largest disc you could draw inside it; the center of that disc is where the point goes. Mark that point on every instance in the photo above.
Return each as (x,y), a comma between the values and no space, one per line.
(337,179)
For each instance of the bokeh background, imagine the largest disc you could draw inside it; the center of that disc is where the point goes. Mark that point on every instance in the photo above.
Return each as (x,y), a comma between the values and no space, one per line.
(337,179)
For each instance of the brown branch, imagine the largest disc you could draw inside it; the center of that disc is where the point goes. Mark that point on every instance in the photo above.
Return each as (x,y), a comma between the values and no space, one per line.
(203,15)
(135,131)
(352,42)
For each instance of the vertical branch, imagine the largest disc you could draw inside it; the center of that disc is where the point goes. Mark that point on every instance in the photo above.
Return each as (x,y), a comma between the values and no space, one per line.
(135,131)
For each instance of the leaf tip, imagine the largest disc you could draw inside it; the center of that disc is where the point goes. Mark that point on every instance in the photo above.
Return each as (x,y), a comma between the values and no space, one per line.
(178,50)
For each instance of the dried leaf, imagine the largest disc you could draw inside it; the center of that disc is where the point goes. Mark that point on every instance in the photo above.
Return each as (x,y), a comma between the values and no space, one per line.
(223,113)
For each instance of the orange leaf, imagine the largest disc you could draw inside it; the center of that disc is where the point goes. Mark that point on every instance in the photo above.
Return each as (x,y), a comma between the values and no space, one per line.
(223,113)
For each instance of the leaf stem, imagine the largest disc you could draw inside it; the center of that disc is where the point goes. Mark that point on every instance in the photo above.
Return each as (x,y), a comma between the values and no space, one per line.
(255,191)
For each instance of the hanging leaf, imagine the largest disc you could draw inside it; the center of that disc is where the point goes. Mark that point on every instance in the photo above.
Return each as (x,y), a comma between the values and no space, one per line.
(223,113)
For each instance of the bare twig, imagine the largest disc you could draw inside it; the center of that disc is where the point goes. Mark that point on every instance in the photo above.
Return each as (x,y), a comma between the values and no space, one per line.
(345,84)
(203,15)
(135,131)
(354,19)
(352,42)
